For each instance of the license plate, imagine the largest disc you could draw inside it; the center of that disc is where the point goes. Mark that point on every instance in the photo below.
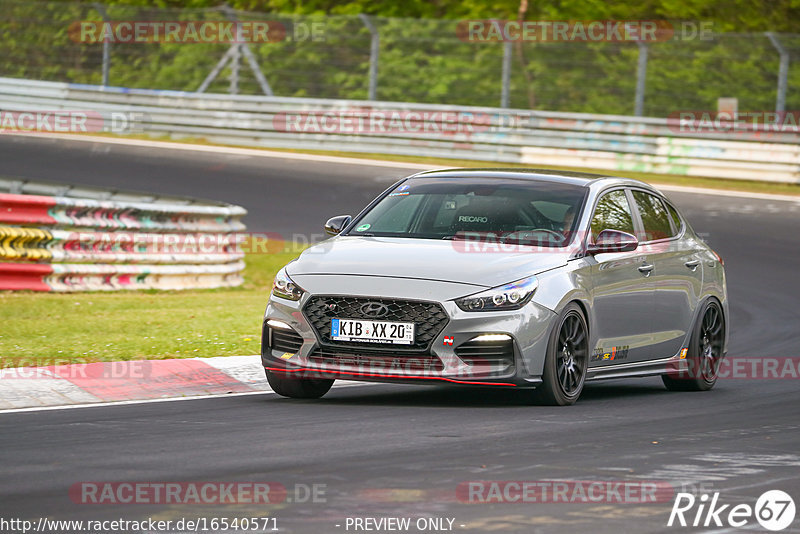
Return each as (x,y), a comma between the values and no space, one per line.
(372,331)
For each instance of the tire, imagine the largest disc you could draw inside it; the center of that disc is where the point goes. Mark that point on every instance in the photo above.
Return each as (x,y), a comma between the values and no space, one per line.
(566,360)
(298,388)
(704,354)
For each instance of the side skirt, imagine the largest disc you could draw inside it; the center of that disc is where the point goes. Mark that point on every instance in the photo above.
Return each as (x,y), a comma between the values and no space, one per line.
(625,370)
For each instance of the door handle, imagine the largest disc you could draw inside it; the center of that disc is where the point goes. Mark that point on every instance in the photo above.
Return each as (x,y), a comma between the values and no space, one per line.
(646,268)
(692,264)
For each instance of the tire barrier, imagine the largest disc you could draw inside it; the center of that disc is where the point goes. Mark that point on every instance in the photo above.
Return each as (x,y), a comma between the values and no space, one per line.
(67,243)
(58,277)
(704,147)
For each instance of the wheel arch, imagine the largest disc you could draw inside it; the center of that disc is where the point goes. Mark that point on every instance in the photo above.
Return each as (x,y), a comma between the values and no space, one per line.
(585,311)
(723,306)
(701,305)
(584,308)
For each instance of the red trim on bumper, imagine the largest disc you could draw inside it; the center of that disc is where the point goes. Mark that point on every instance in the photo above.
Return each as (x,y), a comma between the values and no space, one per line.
(395,377)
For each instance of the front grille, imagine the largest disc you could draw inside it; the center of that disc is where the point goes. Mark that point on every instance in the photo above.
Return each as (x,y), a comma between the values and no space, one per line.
(429,319)
(489,356)
(376,362)
(282,340)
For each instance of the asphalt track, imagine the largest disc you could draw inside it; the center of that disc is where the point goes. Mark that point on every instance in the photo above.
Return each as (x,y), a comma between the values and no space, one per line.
(740,439)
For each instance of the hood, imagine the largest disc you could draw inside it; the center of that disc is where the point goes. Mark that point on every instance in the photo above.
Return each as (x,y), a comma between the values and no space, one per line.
(478,264)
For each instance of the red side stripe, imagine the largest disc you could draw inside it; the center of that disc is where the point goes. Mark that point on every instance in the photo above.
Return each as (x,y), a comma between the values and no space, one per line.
(21,276)
(26,209)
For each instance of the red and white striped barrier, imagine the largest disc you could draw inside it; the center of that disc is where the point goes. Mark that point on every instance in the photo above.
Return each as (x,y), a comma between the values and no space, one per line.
(65,243)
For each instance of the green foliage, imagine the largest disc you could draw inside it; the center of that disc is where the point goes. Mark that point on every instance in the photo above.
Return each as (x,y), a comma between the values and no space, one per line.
(727,15)
(423,57)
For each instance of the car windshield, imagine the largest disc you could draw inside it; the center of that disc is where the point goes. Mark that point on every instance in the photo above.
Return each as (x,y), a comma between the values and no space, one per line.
(532,212)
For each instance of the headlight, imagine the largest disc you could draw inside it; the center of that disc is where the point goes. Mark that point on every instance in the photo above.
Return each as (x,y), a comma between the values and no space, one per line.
(508,297)
(284,287)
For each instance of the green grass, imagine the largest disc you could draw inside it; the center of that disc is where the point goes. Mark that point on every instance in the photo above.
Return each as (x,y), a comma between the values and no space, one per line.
(45,328)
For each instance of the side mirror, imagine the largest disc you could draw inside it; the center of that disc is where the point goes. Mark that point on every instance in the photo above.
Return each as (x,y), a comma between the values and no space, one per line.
(335,225)
(612,241)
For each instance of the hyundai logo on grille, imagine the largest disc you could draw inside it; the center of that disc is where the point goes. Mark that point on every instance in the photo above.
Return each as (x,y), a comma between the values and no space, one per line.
(374,309)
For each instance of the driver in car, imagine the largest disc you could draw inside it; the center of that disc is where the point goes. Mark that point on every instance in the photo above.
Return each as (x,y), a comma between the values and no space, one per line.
(569,216)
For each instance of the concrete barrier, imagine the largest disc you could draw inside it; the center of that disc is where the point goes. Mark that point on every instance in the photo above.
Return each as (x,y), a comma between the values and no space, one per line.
(612,142)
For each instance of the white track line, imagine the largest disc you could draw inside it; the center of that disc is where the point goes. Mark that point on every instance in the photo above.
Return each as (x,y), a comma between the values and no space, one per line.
(168,399)
(220,149)
(236,151)
(127,402)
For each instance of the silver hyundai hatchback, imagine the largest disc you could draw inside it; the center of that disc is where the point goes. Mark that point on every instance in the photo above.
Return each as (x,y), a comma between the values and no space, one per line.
(524,279)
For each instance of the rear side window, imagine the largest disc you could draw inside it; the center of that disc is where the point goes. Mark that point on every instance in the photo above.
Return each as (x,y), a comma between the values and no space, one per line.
(613,212)
(654,216)
(676,219)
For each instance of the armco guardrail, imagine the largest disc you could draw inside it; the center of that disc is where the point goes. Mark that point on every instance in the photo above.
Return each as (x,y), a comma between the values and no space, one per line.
(520,136)
(61,238)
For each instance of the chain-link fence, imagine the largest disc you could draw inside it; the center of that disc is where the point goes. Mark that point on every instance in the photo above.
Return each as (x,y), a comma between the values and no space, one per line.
(408,60)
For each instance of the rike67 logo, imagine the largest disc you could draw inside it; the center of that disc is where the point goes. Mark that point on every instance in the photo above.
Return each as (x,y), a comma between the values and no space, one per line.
(774,510)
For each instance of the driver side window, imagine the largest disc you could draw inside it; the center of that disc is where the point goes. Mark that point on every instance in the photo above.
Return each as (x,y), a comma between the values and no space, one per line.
(613,212)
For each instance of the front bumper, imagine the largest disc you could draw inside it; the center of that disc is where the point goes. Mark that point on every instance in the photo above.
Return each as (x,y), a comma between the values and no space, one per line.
(452,356)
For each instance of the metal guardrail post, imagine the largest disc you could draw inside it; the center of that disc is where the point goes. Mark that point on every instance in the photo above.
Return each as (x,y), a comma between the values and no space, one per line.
(100,8)
(256,68)
(783,72)
(641,79)
(216,70)
(506,75)
(236,60)
(374,51)
(233,55)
